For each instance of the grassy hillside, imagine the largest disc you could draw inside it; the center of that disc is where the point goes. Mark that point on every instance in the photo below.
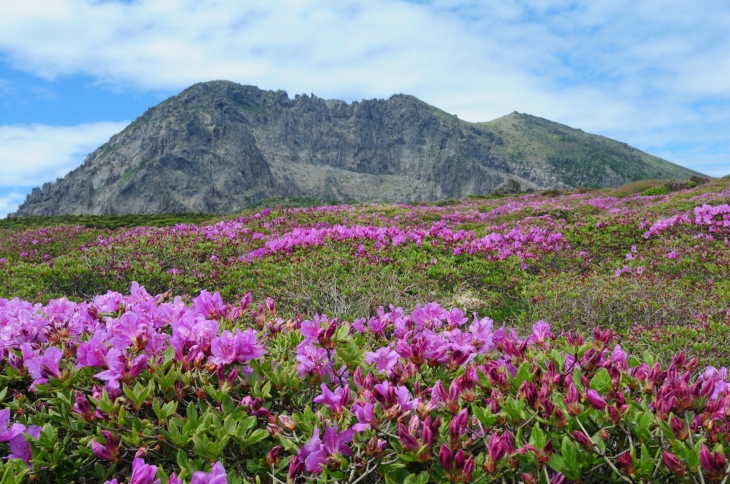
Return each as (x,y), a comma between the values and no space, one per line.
(579,157)
(563,336)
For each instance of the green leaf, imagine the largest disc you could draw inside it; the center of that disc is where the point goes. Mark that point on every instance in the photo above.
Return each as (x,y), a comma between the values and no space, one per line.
(523,373)
(537,437)
(571,454)
(256,436)
(484,415)
(601,381)
(483,380)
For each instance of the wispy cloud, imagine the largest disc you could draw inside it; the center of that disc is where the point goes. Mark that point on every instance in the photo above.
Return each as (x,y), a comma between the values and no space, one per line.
(640,72)
(33,154)
(10,202)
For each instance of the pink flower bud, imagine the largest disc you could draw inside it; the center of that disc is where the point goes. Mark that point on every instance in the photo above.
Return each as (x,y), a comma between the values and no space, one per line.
(673,464)
(679,429)
(409,442)
(468,469)
(583,440)
(596,400)
(446,457)
(246,301)
(496,447)
(625,462)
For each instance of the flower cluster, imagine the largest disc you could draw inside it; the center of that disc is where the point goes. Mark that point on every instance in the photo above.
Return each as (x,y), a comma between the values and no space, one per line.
(156,390)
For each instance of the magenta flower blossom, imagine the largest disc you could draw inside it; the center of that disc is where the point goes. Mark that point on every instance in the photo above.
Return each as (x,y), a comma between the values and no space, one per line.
(335,401)
(314,454)
(129,330)
(247,346)
(43,367)
(224,349)
(93,352)
(455,317)
(217,475)
(619,357)
(359,325)
(429,316)
(209,305)
(540,332)
(310,329)
(118,364)
(19,445)
(312,360)
(384,359)
(143,473)
(109,302)
(378,325)
(481,330)
(365,414)
(388,394)
(7,431)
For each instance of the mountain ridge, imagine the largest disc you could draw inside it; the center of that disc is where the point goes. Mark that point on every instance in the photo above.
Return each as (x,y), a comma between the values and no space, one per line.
(218,147)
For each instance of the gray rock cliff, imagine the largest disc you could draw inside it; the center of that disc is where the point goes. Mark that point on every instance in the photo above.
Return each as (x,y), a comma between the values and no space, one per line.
(218,147)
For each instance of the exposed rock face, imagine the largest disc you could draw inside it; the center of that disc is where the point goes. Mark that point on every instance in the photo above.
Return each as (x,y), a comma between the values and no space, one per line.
(510,187)
(219,146)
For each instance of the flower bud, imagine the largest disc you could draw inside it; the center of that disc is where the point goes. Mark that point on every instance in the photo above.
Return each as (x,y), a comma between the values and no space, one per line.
(245,302)
(272,457)
(296,467)
(528,478)
(287,423)
(678,428)
(596,400)
(138,366)
(496,447)
(673,464)
(100,450)
(409,442)
(446,457)
(583,440)
(274,430)
(626,463)
(373,447)
(713,463)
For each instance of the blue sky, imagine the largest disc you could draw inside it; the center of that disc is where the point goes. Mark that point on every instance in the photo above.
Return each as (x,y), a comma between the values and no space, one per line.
(654,74)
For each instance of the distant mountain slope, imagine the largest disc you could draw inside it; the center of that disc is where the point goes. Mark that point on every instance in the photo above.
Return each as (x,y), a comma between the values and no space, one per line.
(576,157)
(218,147)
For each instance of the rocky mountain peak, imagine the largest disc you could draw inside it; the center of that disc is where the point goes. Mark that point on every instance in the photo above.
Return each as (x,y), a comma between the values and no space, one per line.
(219,146)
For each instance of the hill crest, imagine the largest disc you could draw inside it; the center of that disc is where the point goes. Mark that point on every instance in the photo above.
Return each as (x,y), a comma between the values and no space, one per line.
(218,147)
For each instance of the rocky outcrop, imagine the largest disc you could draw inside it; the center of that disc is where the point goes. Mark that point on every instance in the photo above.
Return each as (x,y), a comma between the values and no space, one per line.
(218,147)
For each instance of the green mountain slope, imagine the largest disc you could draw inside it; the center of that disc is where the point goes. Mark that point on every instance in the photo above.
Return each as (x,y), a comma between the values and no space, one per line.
(576,157)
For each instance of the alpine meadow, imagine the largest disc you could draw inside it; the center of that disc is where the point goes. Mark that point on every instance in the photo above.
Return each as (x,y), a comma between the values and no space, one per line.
(364,242)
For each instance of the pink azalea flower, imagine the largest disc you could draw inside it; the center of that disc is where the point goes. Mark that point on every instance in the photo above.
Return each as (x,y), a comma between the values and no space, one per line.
(217,475)
(19,446)
(335,401)
(384,359)
(7,431)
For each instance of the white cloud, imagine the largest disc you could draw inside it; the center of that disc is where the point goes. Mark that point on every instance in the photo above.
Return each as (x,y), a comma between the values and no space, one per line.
(31,155)
(616,67)
(9,203)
